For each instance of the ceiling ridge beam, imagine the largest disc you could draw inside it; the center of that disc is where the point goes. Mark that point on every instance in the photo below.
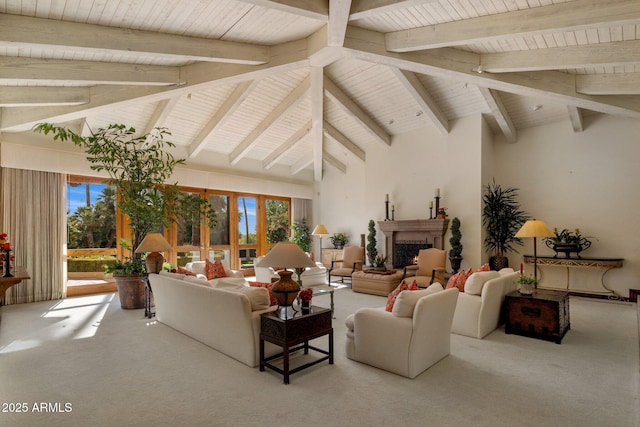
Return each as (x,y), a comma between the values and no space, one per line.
(31,96)
(350,107)
(427,104)
(338,20)
(26,31)
(362,9)
(230,105)
(499,112)
(291,101)
(560,17)
(339,138)
(284,148)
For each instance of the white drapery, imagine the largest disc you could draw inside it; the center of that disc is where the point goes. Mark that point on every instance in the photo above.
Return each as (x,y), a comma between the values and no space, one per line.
(34,216)
(302,210)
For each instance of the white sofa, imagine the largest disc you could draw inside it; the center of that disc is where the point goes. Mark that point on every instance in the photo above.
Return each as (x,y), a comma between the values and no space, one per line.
(312,276)
(224,318)
(479,306)
(233,276)
(412,337)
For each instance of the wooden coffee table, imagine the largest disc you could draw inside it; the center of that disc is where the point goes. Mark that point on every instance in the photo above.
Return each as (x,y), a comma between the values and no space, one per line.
(293,332)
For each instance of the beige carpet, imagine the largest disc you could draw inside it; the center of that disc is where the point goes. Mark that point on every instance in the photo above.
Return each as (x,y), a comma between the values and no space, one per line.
(113,367)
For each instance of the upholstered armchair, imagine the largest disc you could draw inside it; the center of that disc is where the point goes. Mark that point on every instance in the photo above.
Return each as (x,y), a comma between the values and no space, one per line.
(430,268)
(350,262)
(264,274)
(415,335)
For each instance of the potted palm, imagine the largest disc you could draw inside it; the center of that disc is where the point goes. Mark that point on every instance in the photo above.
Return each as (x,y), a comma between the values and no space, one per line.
(139,167)
(455,254)
(502,217)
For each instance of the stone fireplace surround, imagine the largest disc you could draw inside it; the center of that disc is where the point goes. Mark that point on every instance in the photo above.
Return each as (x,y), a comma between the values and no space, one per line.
(429,231)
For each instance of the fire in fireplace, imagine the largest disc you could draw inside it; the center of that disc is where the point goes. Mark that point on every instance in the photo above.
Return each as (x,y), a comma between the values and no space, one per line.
(405,251)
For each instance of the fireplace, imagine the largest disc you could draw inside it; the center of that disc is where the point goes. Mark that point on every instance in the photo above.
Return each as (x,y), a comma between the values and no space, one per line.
(404,239)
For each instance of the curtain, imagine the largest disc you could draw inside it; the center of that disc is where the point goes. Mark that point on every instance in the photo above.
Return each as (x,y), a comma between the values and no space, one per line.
(302,210)
(34,216)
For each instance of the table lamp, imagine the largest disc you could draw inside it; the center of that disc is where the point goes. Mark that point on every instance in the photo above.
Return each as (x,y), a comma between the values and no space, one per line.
(285,255)
(534,228)
(154,243)
(320,230)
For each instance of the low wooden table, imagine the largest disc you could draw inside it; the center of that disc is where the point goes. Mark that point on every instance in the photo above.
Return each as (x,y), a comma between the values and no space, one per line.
(543,315)
(291,330)
(19,275)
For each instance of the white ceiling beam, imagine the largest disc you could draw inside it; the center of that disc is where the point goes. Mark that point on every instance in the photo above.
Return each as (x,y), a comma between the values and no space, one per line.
(608,84)
(161,113)
(338,19)
(427,104)
(556,18)
(301,165)
(341,167)
(317,120)
(370,8)
(31,96)
(321,55)
(230,105)
(563,58)
(46,71)
(290,102)
(284,148)
(499,112)
(27,32)
(314,9)
(350,107)
(575,115)
(339,138)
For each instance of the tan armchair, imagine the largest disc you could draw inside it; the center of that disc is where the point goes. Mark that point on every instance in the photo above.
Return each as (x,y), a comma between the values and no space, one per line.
(430,268)
(350,262)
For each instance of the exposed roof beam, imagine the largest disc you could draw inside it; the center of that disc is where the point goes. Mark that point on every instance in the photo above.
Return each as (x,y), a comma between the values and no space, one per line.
(341,167)
(277,154)
(499,112)
(575,115)
(46,71)
(412,84)
(562,17)
(317,119)
(349,106)
(160,114)
(301,164)
(370,8)
(314,9)
(338,137)
(609,84)
(24,31)
(562,58)
(278,113)
(230,105)
(30,96)
(338,19)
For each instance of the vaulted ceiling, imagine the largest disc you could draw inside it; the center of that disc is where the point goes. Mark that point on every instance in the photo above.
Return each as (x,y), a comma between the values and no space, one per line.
(308,84)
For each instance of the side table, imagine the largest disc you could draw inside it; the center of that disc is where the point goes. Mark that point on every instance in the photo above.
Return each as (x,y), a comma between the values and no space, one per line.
(543,315)
(293,333)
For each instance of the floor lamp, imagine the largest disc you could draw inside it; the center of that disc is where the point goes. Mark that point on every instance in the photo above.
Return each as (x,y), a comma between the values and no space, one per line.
(534,228)
(320,230)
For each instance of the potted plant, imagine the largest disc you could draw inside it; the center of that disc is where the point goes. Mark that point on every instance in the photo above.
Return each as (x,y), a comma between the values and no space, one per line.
(502,217)
(372,249)
(301,235)
(338,240)
(455,254)
(566,241)
(441,213)
(380,263)
(527,284)
(139,167)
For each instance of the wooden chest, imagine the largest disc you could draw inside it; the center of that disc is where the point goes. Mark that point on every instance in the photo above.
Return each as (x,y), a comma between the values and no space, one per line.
(544,315)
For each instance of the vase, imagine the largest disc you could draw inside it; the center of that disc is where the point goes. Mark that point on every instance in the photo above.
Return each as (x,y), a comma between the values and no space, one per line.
(498,262)
(526,289)
(455,263)
(131,291)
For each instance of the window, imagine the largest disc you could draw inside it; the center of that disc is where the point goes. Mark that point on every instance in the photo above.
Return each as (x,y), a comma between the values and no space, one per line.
(277,212)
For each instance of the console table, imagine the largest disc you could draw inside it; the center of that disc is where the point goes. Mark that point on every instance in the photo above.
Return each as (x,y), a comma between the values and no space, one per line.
(605,264)
(6,282)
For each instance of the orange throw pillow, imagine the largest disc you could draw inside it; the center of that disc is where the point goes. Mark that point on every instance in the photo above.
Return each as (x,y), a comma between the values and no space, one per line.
(391,299)
(214,270)
(182,270)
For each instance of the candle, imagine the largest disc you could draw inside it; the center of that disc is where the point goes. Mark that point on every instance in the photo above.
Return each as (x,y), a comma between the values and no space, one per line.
(7,246)
(393,207)
(431,204)
(520,268)
(386,197)
(437,192)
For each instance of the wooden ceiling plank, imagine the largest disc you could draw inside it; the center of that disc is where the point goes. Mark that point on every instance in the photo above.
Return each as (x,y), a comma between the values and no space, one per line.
(291,101)
(554,18)
(24,31)
(338,137)
(428,105)
(500,113)
(352,109)
(32,96)
(314,9)
(286,146)
(575,115)
(371,8)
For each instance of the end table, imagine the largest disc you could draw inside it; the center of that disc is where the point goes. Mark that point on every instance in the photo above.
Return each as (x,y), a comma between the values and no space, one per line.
(543,315)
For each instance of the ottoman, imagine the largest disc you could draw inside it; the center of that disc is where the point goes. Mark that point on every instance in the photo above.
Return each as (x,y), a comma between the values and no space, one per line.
(375,283)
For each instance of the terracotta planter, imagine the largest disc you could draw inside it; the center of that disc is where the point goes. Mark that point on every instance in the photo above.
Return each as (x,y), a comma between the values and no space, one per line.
(130,291)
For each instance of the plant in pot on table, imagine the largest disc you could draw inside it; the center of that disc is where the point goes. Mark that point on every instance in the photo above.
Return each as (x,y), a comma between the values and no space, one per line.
(338,240)
(380,263)
(139,167)
(527,284)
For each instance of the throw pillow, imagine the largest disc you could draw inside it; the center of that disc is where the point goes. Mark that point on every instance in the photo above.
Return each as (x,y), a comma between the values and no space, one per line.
(272,298)
(182,270)
(214,270)
(258,297)
(406,301)
(391,299)
(476,281)
(458,280)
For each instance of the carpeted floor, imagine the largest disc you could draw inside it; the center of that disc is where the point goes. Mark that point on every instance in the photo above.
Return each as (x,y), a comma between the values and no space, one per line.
(91,363)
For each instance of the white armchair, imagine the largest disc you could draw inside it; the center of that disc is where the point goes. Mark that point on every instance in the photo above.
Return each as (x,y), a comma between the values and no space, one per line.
(407,340)
(264,274)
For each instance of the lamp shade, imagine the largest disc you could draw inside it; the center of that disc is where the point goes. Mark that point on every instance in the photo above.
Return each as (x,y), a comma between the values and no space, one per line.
(286,255)
(154,242)
(534,228)
(320,230)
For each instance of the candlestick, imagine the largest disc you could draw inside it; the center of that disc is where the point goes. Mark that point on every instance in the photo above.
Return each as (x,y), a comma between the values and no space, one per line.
(7,263)
(386,208)
(393,212)
(431,211)
(437,202)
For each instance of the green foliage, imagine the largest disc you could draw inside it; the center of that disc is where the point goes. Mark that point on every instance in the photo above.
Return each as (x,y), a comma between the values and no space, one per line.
(502,217)
(93,226)
(339,239)
(277,221)
(379,261)
(301,235)
(139,167)
(526,280)
(372,249)
(454,240)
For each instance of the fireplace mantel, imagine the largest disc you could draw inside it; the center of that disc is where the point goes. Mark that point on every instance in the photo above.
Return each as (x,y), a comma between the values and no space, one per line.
(431,231)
